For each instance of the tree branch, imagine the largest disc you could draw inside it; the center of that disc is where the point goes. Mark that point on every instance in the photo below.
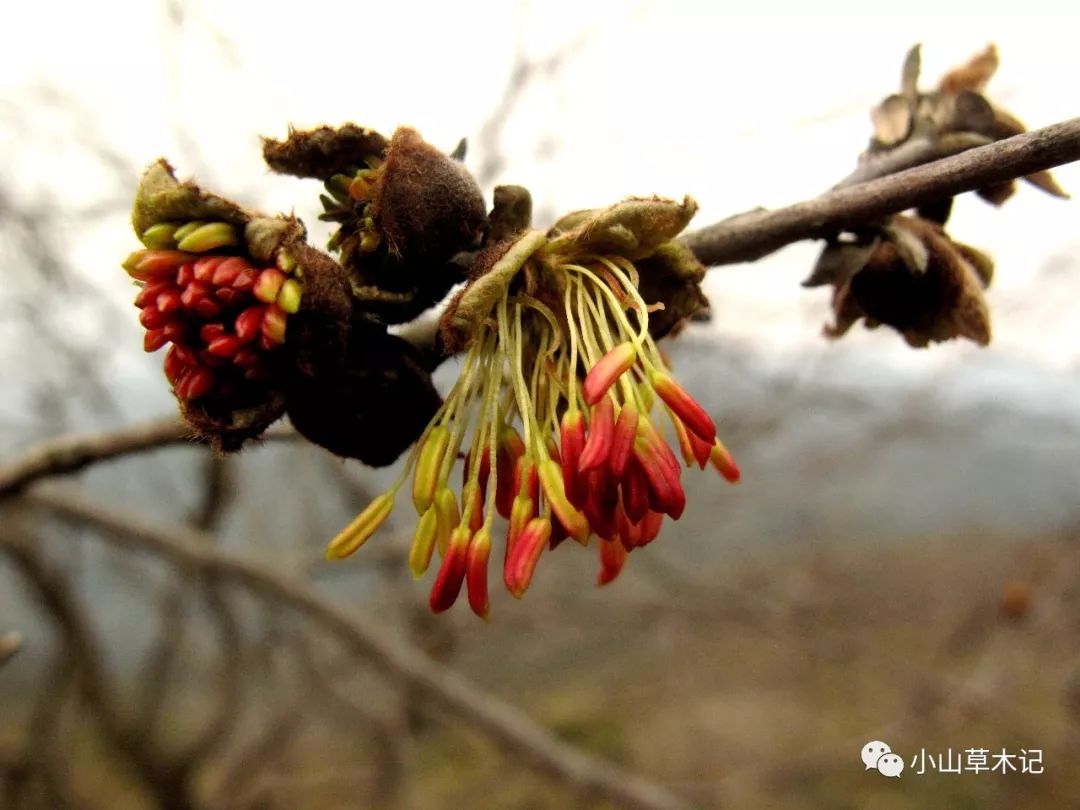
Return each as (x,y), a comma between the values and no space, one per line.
(750,236)
(10,644)
(73,451)
(192,550)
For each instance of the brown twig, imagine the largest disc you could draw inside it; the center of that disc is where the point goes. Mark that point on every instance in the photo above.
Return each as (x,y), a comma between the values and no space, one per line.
(750,236)
(71,452)
(10,644)
(191,550)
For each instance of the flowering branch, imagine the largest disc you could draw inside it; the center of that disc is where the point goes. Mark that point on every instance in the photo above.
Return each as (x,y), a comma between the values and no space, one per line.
(751,235)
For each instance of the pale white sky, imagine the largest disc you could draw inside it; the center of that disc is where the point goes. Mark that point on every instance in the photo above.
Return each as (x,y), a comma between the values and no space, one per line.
(734,108)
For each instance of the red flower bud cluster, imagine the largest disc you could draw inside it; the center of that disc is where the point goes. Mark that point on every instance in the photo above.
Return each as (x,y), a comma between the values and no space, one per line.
(224,316)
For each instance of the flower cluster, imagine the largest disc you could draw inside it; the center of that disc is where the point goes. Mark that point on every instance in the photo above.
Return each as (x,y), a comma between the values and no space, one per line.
(567,398)
(224,316)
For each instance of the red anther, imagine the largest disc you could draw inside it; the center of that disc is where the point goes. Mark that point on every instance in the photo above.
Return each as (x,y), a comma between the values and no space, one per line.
(184,354)
(484,472)
(224,346)
(208,308)
(685,406)
(612,559)
(205,266)
(273,325)
(601,432)
(471,492)
(195,292)
(451,572)
(153,318)
(246,358)
(209,331)
(186,274)
(628,531)
(724,463)
(559,532)
(525,474)
(652,439)
(249,322)
(521,562)
(169,300)
(173,366)
(607,370)
(196,383)
(650,527)
(174,331)
(599,506)
(635,491)
(228,296)
(154,339)
(268,285)
(144,265)
(245,280)
(623,440)
(523,510)
(151,291)
(229,270)
(685,448)
(476,573)
(211,360)
(256,374)
(510,449)
(700,448)
(572,434)
(665,490)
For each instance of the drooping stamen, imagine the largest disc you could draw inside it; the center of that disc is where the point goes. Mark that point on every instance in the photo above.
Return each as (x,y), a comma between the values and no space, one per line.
(448,516)
(523,510)
(601,433)
(665,490)
(423,544)
(623,440)
(724,463)
(476,572)
(452,571)
(600,505)
(604,374)
(635,491)
(362,527)
(555,491)
(685,406)
(472,505)
(612,559)
(510,449)
(572,432)
(428,465)
(526,552)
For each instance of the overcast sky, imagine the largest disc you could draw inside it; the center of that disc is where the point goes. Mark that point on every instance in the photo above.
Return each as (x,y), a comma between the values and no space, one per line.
(736,109)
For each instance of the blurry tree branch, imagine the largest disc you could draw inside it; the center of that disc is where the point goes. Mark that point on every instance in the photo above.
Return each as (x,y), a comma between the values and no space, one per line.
(191,550)
(10,644)
(71,452)
(857,201)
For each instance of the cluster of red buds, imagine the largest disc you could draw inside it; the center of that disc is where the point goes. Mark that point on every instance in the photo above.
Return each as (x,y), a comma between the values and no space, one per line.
(224,315)
(557,343)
